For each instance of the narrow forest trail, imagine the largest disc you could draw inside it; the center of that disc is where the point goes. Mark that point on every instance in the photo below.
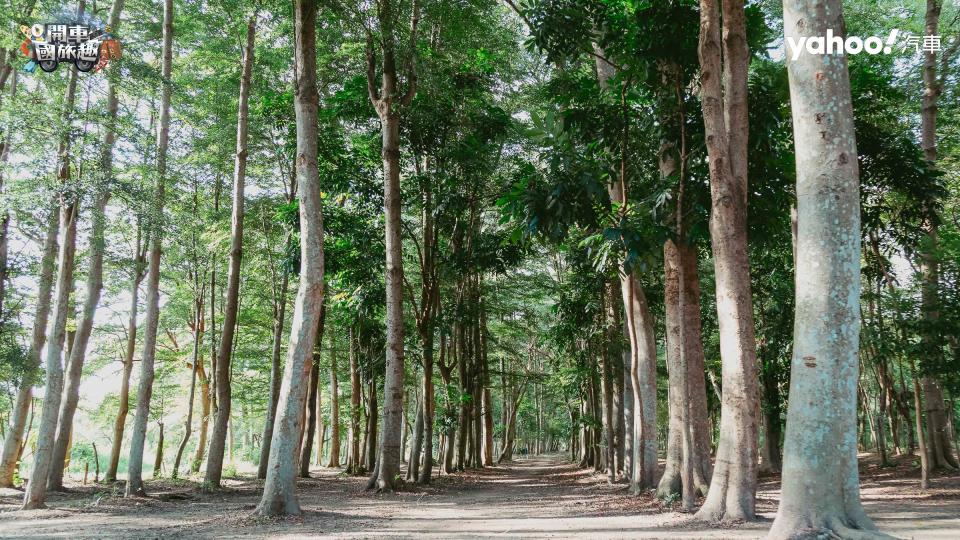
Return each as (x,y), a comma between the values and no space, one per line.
(534,497)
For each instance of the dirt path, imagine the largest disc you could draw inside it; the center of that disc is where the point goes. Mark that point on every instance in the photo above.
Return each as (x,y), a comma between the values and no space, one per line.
(541,497)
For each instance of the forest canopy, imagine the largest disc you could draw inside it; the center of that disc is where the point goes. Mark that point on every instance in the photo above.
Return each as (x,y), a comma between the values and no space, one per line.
(690,250)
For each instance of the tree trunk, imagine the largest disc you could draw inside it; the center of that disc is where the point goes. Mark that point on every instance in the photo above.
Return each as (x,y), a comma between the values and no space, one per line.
(426,468)
(629,435)
(413,464)
(354,462)
(643,348)
(334,407)
(312,412)
(370,453)
(188,421)
(221,419)
(120,422)
(387,103)
(606,380)
(94,280)
(733,487)
(205,406)
(145,389)
(81,339)
(69,213)
(939,444)
(275,374)
(679,411)
(279,493)
(158,457)
(13,440)
(821,485)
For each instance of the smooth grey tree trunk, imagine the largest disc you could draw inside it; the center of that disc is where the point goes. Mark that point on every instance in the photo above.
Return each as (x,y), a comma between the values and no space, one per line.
(279,490)
(13,440)
(78,352)
(821,484)
(145,388)
(221,420)
(35,495)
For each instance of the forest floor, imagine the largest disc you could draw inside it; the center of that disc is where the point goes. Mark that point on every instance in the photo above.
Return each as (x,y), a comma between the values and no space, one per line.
(540,497)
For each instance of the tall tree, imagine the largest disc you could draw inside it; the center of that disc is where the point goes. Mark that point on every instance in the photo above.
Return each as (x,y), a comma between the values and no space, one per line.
(222,416)
(388,99)
(821,484)
(135,485)
(724,61)
(78,351)
(120,422)
(939,447)
(279,490)
(334,407)
(35,495)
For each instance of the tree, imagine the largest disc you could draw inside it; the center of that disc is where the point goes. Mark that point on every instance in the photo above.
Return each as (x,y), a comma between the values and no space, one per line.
(279,491)
(222,416)
(821,486)
(78,351)
(57,330)
(724,98)
(135,485)
(388,100)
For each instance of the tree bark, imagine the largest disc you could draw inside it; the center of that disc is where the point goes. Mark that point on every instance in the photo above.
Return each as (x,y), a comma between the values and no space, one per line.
(939,445)
(94,277)
(145,389)
(279,493)
(188,421)
(275,374)
(81,338)
(370,437)
(821,485)
(205,406)
(158,456)
(606,383)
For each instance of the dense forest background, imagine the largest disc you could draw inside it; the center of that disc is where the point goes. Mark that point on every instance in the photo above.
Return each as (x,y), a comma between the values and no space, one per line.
(546,164)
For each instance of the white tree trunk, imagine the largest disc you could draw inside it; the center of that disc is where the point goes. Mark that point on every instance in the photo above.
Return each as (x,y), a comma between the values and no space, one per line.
(57,328)
(279,490)
(821,484)
(145,388)
(21,411)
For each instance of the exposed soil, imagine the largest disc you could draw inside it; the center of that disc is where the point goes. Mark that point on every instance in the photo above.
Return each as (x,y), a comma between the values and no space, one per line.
(540,497)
